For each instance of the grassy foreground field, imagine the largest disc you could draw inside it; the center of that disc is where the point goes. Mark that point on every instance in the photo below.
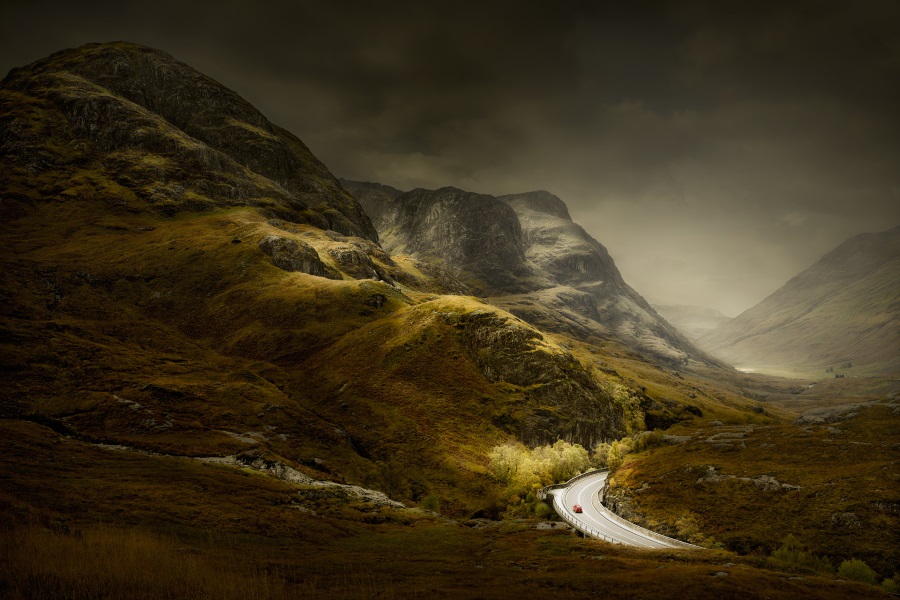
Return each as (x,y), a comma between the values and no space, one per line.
(82,521)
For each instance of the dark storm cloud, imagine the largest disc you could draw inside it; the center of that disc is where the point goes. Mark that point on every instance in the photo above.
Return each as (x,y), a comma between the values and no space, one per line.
(716,148)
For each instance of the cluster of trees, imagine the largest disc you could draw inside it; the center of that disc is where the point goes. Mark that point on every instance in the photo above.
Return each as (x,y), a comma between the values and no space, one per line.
(611,455)
(629,400)
(525,470)
(792,552)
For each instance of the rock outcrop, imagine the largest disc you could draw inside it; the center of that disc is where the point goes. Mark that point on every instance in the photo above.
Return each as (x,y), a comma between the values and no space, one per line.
(291,255)
(474,235)
(569,403)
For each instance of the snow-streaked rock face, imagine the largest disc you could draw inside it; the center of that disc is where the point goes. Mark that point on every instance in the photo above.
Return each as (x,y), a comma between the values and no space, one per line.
(570,257)
(525,253)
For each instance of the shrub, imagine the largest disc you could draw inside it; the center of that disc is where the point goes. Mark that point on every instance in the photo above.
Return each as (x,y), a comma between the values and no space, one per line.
(647,440)
(601,454)
(431,502)
(856,570)
(541,511)
(890,586)
(792,552)
(615,456)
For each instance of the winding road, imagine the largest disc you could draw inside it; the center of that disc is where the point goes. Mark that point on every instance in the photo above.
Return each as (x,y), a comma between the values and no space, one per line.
(598,521)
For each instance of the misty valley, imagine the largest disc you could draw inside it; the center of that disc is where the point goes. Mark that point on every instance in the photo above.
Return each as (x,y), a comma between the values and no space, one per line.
(228,373)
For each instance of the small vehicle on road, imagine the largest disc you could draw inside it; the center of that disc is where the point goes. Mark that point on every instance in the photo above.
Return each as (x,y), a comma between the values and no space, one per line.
(577,508)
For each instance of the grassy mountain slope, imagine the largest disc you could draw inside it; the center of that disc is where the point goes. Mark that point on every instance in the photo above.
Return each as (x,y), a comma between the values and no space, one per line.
(830,481)
(241,325)
(202,346)
(843,309)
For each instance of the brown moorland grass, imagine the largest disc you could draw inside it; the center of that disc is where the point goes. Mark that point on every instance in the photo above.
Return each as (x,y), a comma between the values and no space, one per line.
(82,521)
(108,562)
(846,504)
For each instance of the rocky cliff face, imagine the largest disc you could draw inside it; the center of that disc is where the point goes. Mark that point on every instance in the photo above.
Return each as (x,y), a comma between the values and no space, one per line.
(146,132)
(589,282)
(843,310)
(525,253)
(474,235)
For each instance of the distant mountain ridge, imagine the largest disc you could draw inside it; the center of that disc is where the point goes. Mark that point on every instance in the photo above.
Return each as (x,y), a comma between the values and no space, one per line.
(844,309)
(524,253)
(692,320)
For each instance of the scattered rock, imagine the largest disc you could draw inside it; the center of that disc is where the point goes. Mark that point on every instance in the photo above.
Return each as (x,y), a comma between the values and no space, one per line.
(830,414)
(726,436)
(376,300)
(716,423)
(712,476)
(846,520)
(767,483)
(676,439)
(291,255)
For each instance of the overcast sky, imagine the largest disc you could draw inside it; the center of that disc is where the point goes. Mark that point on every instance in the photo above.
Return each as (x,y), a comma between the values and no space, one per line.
(716,148)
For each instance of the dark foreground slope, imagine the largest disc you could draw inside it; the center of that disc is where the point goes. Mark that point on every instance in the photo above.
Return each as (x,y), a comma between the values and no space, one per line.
(123,525)
(844,310)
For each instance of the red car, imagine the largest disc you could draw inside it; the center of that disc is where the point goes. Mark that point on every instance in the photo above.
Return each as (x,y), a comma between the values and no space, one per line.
(577,508)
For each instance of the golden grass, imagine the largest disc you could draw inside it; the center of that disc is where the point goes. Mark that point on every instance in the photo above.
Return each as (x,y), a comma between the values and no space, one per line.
(163,527)
(110,562)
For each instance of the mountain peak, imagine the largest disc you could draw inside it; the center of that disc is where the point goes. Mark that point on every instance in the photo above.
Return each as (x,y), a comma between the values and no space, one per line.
(539,201)
(124,107)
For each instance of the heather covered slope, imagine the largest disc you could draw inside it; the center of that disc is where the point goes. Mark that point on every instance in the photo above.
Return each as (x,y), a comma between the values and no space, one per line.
(845,309)
(168,289)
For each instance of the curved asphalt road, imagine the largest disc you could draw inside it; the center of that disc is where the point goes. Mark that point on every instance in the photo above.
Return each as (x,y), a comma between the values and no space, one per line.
(586,493)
